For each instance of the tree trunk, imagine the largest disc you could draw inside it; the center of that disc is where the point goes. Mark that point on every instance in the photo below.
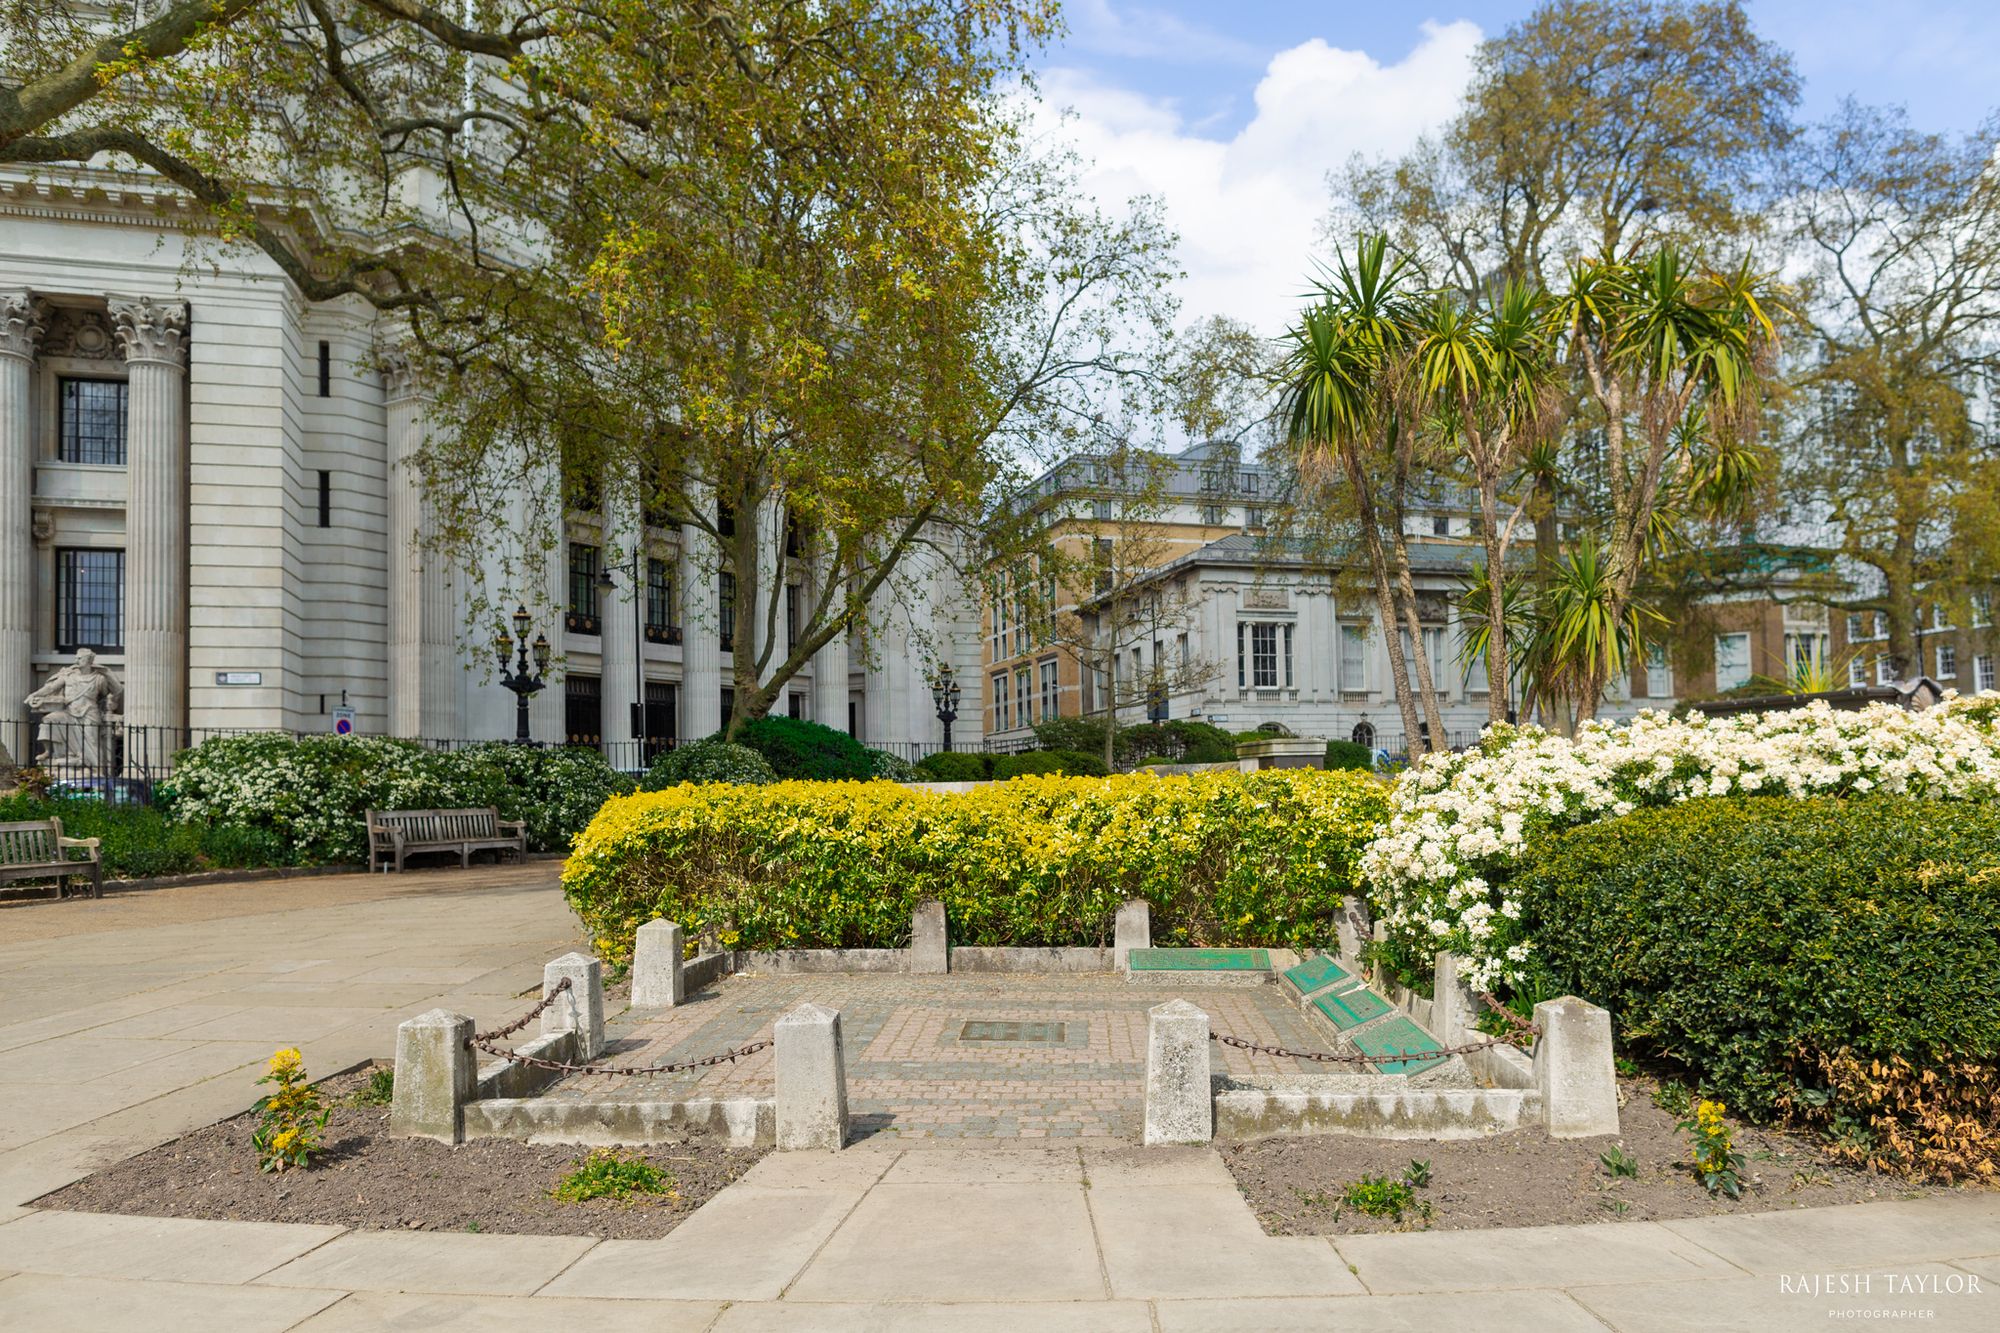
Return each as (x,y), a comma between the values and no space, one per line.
(1496,600)
(1385,602)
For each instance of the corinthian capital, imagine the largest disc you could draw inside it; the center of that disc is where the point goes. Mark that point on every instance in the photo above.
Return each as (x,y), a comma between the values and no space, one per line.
(23,320)
(150,330)
(399,374)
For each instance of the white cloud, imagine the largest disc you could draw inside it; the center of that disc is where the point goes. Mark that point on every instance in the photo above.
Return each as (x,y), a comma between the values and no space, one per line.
(1247,208)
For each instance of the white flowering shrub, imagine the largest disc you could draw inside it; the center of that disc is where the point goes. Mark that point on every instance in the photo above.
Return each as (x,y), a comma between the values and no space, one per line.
(312,794)
(1459,824)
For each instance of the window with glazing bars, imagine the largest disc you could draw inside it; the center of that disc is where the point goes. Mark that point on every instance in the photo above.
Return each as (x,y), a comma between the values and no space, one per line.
(725,607)
(659,594)
(90,424)
(90,600)
(583,579)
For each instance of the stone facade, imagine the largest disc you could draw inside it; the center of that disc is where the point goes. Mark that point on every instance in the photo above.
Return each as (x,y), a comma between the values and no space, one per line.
(203,478)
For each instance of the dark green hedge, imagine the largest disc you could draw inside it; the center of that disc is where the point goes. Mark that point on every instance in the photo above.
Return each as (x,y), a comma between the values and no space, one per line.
(1347,754)
(796,748)
(1742,936)
(955,766)
(139,842)
(1072,763)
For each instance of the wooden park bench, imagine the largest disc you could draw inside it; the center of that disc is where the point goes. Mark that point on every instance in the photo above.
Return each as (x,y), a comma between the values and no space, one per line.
(395,834)
(37,849)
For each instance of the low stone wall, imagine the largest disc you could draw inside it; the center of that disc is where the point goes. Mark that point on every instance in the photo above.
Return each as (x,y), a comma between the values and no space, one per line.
(981,958)
(511,1078)
(1381,1106)
(741,1122)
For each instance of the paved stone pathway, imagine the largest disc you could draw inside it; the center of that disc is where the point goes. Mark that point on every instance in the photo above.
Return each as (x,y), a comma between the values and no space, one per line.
(127,1022)
(913,1069)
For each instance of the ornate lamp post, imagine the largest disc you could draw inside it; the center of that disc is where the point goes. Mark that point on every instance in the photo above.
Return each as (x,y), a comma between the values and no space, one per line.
(944,693)
(519,679)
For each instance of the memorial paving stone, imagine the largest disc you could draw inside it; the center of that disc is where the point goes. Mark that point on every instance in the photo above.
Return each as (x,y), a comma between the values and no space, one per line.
(1399,1036)
(1349,1009)
(1319,973)
(1201,960)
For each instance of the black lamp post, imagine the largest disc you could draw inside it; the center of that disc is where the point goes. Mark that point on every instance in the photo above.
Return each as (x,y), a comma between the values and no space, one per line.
(519,679)
(606,585)
(944,693)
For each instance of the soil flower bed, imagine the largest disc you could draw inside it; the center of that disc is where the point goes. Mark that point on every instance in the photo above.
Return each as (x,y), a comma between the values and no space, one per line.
(369,1180)
(1299,1186)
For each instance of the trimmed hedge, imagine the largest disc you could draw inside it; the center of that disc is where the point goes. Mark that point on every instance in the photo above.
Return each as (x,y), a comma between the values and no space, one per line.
(1072,763)
(796,748)
(708,760)
(1179,742)
(1347,754)
(954,766)
(1224,858)
(1755,939)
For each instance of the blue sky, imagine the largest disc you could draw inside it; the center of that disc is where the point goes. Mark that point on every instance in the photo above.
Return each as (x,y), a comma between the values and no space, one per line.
(1232,113)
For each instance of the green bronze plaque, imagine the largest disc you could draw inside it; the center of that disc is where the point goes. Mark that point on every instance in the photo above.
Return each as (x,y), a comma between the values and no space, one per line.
(1351,1008)
(1318,973)
(1201,960)
(1399,1037)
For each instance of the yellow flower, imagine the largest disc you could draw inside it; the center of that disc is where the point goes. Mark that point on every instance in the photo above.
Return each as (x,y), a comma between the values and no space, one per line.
(286,1062)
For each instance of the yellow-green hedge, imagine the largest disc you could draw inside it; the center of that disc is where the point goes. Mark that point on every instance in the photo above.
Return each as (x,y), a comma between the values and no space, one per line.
(1224,858)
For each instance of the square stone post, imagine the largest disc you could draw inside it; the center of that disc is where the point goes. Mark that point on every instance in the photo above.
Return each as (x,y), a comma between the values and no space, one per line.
(1180,1106)
(1376,974)
(812,1080)
(436,1072)
(1346,932)
(1574,1069)
(1134,930)
(657,981)
(580,1009)
(1454,1008)
(929,953)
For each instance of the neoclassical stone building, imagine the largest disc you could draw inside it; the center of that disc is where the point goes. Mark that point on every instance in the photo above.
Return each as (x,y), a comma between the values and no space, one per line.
(201,481)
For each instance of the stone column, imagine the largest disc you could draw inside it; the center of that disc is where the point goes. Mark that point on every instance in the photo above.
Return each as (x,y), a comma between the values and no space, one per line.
(22,322)
(930,948)
(153,335)
(580,1009)
(618,630)
(436,1075)
(701,649)
(1575,1069)
(1133,929)
(423,639)
(829,697)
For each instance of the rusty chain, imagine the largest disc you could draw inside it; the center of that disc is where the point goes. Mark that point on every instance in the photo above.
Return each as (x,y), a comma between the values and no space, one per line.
(632,1071)
(1323,1057)
(476,1038)
(484,1041)
(1521,1026)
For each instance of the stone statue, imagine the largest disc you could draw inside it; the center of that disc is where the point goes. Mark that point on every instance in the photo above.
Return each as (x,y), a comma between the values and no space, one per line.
(76,703)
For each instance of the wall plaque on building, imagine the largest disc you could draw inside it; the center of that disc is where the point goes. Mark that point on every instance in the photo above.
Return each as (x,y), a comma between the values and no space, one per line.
(1267,599)
(239,678)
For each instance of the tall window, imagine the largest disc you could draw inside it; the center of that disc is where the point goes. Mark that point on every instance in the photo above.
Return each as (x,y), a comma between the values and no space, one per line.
(1659,674)
(1947,661)
(1440,525)
(725,608)
(1363,734)
(1885,670)
(1003,714)
(1051,691)
(1002,606)
(659,594)
(1857,671)
(1982,609)
(90,600)
(1732,661)
(1805,652)
(1353,657)
(90,424)
(1264,655)
(1982,672)
(1024,691)
(583,587)
(791,616)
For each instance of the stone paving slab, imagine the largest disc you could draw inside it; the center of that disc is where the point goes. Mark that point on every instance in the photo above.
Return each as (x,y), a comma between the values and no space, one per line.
(746,1243)
(161,1248)
(997,1242)
(910,1072)
(372,1311)
(1528,1257)
(447,1263)
(37,1303)
(1486,1312)
(1823,1239)
(970,1317)
(1761,1304)
(1201,1240)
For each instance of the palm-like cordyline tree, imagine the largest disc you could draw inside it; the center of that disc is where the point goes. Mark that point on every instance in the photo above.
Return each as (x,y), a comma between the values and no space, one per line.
(1661,348)
(1342,413)
(1487,381)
